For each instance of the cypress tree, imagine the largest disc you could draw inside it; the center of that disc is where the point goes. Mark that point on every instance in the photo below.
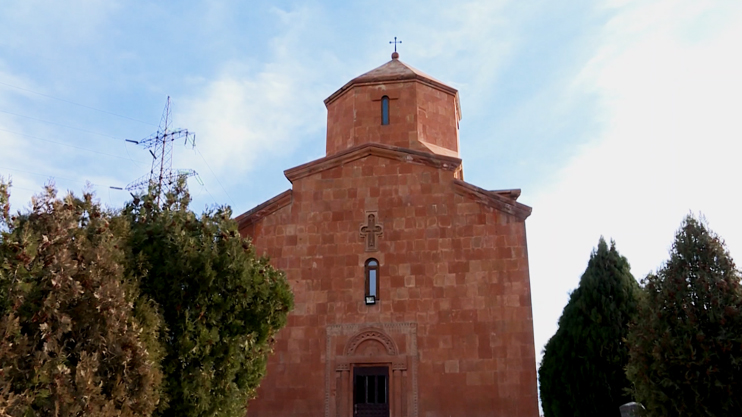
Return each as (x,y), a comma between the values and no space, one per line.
(686,346)
(582,370)
(153,310)
(221,303)
(76,337)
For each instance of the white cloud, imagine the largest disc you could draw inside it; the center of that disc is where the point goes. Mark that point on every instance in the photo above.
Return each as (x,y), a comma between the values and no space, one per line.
(36,35)
(249,113)
(60,25)
(667,78)
(14,148)
(473,38)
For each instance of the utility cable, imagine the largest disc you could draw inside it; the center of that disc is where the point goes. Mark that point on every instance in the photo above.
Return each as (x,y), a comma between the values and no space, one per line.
(71,146)
(110,187)
(217,178)
(76,104)
(209,192)
(51,176)
(126,147)
(73,128)
(59,124)
(15,187)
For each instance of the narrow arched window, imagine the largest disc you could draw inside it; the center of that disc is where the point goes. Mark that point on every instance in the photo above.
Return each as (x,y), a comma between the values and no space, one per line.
(385,110)
(372,279)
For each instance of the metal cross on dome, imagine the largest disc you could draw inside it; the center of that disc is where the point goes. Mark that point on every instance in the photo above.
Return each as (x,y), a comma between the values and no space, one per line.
(395,43)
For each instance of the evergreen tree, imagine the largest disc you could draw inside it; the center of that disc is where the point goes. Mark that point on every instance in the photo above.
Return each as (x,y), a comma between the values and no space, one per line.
(150,311)
(76,338)
(582,370)
(686,346)
(221,303)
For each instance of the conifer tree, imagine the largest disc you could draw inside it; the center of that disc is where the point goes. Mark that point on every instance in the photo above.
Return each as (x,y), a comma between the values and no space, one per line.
(149,311)
(76,338)
(221,303)
(582,370)
(686,346)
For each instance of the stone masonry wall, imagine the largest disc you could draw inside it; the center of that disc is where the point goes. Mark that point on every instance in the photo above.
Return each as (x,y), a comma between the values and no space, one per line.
(455,267)
(416,112)
(437,118)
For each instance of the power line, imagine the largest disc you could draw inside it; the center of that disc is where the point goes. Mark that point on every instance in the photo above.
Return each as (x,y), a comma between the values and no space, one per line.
(15,187)
(76,104)
(71,146)
(217,178)
(207,190)
(54,177)
(59,124)
(126,147)
(51,176)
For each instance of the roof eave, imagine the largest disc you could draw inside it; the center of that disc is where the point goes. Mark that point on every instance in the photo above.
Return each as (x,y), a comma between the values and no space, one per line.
(264,209)
(406,155)
(394,80)
(503,201)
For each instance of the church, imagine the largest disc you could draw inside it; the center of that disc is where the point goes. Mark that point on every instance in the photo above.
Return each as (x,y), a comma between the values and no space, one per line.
(411,286)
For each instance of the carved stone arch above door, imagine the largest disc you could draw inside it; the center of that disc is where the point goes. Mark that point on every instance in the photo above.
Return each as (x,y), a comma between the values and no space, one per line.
(371,334)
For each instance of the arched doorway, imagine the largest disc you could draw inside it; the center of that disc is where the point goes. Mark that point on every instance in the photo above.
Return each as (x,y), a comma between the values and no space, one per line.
(369,373)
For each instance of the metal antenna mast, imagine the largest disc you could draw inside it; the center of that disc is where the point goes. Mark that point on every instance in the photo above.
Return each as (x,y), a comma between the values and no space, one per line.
(160,146)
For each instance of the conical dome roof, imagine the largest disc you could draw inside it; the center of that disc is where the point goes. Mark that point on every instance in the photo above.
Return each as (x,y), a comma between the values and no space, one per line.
(394,105)
(393,71)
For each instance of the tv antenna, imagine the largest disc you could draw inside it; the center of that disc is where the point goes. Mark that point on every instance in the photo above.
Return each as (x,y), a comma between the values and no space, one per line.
(160,145)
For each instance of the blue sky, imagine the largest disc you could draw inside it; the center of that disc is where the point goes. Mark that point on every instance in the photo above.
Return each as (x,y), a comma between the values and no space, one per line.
(615,118)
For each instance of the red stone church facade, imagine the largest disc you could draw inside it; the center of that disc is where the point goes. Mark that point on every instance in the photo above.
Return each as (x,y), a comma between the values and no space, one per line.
(411,286)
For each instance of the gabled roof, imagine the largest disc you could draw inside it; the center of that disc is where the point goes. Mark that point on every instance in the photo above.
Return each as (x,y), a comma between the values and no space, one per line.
(448,163)
(264,209)
(393,71)
(502,200)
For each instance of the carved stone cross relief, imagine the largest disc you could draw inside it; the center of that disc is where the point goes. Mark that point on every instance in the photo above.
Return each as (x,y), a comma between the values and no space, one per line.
(371,231)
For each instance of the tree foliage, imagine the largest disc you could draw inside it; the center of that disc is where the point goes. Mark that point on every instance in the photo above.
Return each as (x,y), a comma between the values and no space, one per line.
(75,336)
(582,370)
(221,304)
(152,310)
(686,350)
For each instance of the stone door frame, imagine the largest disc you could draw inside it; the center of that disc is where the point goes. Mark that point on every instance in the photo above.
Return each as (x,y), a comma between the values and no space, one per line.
(401,360)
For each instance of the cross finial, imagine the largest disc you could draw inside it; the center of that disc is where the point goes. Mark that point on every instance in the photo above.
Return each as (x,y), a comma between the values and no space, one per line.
(395,43)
